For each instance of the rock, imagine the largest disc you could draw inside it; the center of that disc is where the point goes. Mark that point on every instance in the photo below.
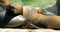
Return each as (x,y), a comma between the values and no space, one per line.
(28,30)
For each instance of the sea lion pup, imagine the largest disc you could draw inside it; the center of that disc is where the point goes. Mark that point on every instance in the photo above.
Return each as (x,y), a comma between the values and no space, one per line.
(19,20)
(14,18)
(4,3)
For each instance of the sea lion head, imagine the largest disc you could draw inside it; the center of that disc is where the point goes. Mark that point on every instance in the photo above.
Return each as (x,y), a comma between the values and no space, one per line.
(16,8)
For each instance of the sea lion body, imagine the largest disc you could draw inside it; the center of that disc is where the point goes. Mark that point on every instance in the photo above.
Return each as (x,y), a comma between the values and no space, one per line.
(40,20)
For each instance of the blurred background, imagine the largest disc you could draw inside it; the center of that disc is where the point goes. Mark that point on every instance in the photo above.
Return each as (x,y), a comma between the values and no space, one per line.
(49,5)
(40,3)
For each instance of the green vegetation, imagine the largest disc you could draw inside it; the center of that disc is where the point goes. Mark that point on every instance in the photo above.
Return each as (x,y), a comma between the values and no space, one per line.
(40,3)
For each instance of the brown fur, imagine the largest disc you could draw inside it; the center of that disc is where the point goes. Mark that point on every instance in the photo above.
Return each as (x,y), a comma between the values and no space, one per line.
(38,18)
(16,8)
(48,21)
(4,3)
(29,11)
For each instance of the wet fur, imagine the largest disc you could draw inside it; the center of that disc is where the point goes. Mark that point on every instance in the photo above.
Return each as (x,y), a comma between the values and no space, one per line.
(41,20)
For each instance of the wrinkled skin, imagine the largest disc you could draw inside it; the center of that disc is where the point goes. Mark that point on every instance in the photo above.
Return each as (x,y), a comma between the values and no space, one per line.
(38,18)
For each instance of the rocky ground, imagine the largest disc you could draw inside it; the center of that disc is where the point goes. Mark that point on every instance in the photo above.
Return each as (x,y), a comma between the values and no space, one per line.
(28,30)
